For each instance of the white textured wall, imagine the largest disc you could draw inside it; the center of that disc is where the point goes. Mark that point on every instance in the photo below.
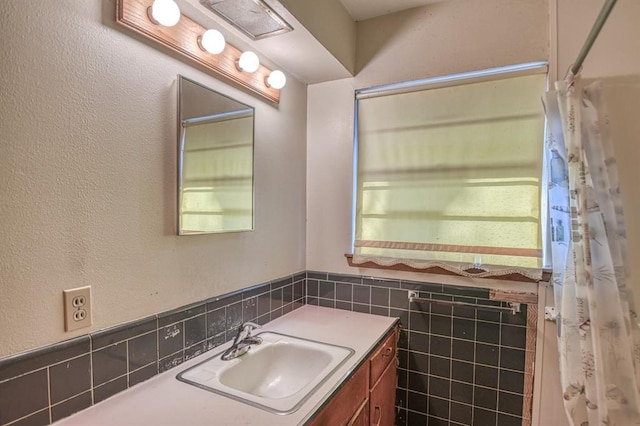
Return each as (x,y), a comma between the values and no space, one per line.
(88,176)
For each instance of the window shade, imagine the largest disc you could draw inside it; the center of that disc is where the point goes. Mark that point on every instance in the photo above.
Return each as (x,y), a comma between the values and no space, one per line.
(452,173)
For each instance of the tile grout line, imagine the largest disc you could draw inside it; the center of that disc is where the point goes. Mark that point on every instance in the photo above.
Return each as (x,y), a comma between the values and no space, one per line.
(475,363)
(19,419)
(499,362)
(45,367)
(49,393)
(450,368)
(127,361)
(70,398)
(467,404)
(112,380)
(91,384)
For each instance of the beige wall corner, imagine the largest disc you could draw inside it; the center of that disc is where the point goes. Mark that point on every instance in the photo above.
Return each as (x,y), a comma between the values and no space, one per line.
(331,25)
(449,37)
(329,174)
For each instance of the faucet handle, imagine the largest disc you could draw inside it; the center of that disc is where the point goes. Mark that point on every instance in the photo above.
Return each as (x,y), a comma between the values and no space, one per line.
(249,326)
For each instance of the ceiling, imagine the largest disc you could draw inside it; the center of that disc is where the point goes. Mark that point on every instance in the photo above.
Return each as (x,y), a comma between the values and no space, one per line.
(366,9)
(298,52)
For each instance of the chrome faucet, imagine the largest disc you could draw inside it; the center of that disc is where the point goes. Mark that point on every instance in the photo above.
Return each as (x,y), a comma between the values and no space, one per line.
(243,341)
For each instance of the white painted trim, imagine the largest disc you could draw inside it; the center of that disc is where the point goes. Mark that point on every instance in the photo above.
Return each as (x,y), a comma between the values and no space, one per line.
(536,403)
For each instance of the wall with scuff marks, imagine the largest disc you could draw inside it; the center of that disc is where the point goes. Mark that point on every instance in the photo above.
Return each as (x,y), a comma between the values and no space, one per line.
(88,177)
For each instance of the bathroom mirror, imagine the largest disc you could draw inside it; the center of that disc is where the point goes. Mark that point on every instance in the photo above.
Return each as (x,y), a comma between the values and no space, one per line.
(215,161)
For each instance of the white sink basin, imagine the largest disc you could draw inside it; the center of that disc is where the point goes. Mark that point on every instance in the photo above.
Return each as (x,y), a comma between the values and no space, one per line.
(277,375)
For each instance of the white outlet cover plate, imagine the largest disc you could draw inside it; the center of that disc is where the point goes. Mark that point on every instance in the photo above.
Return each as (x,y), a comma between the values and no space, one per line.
(72,310)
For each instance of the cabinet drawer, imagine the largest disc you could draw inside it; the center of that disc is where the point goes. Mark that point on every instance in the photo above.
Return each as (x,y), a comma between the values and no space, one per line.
(383,356)
(346,402)
(382,399)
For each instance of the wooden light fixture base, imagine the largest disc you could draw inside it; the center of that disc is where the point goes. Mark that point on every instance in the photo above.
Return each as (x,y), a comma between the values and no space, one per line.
(183,38)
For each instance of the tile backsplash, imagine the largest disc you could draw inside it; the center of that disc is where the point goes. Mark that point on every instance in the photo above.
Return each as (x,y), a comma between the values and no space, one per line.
(48,384)
(457,365)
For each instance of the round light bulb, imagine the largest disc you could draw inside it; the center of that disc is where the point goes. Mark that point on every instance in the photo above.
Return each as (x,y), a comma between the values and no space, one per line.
(165,12)
(212,41)
(276,79)
(248,62)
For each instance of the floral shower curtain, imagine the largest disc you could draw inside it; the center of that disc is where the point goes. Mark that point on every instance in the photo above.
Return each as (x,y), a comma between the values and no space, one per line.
(598,333)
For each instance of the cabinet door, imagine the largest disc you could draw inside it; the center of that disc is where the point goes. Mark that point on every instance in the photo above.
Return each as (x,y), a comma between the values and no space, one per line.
(382,400)
(342,407)
(361,417)
(383,356)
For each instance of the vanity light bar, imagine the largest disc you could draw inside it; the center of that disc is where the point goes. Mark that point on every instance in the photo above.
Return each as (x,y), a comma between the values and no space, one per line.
(185,38)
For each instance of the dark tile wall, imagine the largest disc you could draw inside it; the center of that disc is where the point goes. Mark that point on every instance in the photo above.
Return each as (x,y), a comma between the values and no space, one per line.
(457,365)
(48,384)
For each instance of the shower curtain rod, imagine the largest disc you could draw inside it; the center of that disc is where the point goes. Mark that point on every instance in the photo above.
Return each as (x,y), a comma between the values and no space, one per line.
(591,38)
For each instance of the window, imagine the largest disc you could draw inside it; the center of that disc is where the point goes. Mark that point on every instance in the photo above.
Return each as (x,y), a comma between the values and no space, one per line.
(449,169)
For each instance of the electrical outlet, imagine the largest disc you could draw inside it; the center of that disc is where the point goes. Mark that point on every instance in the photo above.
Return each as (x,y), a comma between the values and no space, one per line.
(77,308)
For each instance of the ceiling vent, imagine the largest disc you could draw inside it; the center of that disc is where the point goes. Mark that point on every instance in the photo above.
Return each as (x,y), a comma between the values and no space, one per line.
(253,17)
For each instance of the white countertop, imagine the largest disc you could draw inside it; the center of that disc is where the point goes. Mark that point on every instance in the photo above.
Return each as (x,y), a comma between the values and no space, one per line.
(163,400)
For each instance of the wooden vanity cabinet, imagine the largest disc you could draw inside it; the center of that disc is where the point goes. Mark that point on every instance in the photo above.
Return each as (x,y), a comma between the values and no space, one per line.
(368,397)
(342,407)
